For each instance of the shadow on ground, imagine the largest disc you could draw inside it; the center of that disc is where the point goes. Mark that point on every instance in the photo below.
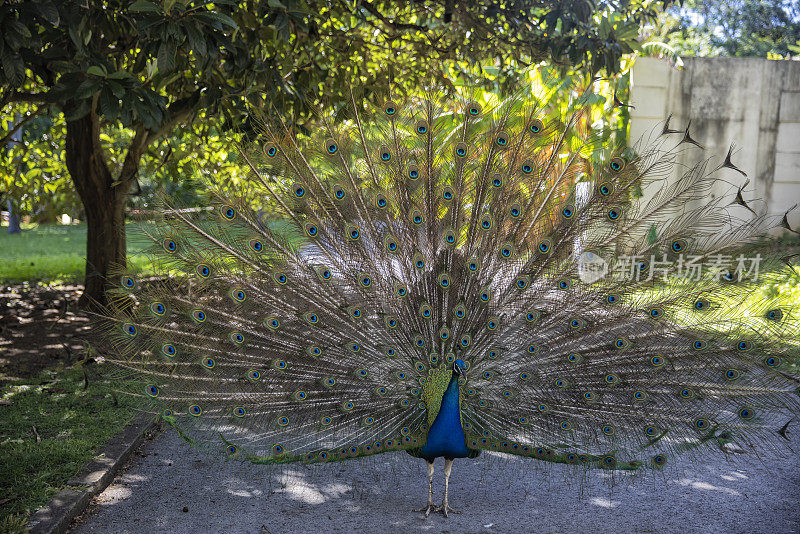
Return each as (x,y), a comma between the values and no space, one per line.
(170,487)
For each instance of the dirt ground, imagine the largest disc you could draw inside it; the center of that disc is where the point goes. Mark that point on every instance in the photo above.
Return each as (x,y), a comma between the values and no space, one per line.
(40,328)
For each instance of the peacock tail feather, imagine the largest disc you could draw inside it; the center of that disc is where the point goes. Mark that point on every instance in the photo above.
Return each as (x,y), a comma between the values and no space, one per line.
(315,314)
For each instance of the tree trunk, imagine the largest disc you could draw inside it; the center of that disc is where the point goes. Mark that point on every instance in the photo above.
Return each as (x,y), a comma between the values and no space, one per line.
(104,204)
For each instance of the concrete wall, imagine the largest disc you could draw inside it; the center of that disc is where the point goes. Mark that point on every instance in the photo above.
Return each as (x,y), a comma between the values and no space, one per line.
(753,103)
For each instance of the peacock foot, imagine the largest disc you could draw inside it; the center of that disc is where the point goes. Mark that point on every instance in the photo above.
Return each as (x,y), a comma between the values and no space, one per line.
(445,508)
(427,509)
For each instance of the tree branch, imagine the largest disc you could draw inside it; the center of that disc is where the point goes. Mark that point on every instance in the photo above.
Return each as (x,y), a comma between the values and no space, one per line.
(22,123)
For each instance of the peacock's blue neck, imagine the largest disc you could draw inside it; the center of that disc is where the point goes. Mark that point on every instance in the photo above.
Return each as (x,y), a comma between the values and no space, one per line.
(446,436)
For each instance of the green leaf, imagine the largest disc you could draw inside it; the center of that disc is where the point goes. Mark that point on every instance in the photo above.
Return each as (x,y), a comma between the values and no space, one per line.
(143,6)
(277,4)
(96,70)
(49,12)
(14,68)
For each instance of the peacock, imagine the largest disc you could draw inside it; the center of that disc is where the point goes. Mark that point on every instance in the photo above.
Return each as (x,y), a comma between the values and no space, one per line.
(446,276)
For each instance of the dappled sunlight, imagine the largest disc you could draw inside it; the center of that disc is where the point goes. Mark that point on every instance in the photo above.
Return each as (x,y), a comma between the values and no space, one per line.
(604,502)
(296,487)
(696,484)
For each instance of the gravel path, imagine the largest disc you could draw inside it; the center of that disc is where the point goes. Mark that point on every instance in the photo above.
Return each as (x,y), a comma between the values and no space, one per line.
(172,488)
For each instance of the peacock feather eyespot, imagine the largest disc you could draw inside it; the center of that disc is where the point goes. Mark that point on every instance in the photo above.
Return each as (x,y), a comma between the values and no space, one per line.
(535,126)
(565,425)
(129,329)
(532,348)
(687,393)
(657,361)
(272,323)
(444,280)
(227,212)
(353,346)
(497,181)
(314,351)
(311,318)
(208,363)
(425,311)
(614,213)
(195,410)
(450,357)
(416,217)
(772,361)
(152,391)
(419,341)
(473,109)
(461,150)
(158,309)
(279,364)
(353,232)
(270,150)
(574,357)
(390,321)
(612,298)
(577,323)
(744,346)
(380,391)
(532,316)
(311,229)
(732,374)
(483,403)
(390,242)
(507,251)
(515,211)
(400,289)
(492,354)
(364,280)
(390,352)
(746,413)
(605,189)
(699,344)
(678,246)
(237,294)
(385,154)
(413,172)
(701,423)
(492,323)
(347,406)
(380,200)
(368,421)
(564,284)
(325,420)
(422,127)
(621,343)
(465,341)
(486,222)
(611,379)
(639,395)
(450,237)
(203,270)
(239,412)
(253,375)
(561,383)
(448,193)
(544,246)
(659,460)
(338,192)
(616,164)
(237,338)
(168,350)
(256,245)
(170,245)
(405,403)
(775,315)
(460,311)
(590,396)
(609,462)
(701,305)
(331,147)
(277,449)
(651,431)
(282,420)
(298,189)
(608,430)
(300,395)
(526,168)
(502,140)
(656,313)
(128,282)
(390,109)
(568,211)
(361,373)
(328,382)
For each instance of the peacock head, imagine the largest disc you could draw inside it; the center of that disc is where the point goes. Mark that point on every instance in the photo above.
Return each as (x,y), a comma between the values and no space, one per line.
(460,368)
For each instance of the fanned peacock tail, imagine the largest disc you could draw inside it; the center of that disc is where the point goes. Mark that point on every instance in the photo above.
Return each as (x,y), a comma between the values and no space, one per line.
(394,244)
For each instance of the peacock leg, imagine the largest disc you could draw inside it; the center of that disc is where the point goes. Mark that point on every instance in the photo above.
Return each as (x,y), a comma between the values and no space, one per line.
(430,507)
(445,507)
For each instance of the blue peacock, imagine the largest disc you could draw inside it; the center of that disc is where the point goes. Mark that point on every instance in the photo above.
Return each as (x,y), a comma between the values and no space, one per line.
(449,277)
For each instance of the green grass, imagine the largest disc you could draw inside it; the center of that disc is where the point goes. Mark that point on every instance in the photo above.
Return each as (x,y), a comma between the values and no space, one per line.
(53,253)
(50,427)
